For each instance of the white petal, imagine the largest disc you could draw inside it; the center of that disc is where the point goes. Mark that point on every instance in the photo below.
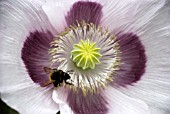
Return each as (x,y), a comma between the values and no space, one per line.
(158,111)
(30,99)
(119,103)
(18,18)
(56,11)
(128,15)
(154,87)
(19,92)
(60,97)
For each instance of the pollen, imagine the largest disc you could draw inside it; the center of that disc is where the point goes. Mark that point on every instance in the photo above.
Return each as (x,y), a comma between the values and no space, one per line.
(85,54)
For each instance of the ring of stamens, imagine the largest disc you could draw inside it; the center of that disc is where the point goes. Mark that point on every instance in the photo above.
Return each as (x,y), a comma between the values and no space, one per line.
(86,77)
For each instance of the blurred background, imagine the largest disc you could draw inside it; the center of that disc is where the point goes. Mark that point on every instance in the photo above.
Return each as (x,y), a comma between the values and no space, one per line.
(4,109)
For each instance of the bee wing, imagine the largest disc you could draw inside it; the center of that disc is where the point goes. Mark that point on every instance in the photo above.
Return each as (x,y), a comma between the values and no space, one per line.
(47,70)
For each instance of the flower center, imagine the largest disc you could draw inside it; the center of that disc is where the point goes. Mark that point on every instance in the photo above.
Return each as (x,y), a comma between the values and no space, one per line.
(85,54)
(90,52)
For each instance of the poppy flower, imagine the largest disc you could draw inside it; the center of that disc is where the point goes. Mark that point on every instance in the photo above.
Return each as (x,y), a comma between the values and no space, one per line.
(111,56)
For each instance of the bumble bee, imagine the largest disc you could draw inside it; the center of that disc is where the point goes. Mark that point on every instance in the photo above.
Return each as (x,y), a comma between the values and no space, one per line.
(57,77)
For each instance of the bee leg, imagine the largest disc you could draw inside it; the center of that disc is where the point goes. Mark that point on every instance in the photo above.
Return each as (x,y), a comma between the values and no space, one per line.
(47,83)
(55,84)
(68,83)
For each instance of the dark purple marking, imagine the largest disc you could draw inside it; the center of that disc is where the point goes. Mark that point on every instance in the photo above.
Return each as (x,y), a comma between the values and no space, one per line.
(89,104)
(90,12)
(35,55)
(133,60)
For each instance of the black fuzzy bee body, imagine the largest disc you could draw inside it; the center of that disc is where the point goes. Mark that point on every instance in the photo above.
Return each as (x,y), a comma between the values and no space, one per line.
(57,77)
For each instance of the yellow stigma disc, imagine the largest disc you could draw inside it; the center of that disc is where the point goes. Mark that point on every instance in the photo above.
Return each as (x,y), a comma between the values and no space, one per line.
(85,54)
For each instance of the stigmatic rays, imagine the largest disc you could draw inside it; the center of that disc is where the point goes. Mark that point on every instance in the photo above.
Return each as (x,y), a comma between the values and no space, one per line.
(91,52)
(86,54)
